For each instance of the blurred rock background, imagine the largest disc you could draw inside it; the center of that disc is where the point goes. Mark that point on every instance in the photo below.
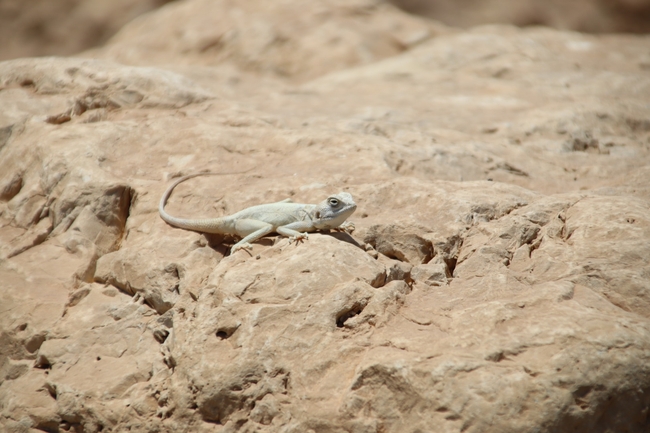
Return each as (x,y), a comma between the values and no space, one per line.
(64,27)
(591,16)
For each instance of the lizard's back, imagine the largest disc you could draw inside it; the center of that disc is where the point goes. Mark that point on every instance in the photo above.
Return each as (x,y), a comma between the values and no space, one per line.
(276,214)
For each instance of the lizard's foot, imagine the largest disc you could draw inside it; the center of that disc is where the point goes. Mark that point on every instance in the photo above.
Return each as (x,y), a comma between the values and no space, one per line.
(346,227)
(241,246)
(298,238)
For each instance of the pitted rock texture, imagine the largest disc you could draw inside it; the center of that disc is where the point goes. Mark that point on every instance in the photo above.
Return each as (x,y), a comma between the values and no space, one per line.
(498,279)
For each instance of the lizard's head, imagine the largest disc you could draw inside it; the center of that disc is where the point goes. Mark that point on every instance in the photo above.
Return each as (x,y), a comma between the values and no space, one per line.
(333,211)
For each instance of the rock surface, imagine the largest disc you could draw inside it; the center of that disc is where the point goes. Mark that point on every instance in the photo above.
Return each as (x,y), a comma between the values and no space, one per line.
(498,279)
(63,27)
(594,16)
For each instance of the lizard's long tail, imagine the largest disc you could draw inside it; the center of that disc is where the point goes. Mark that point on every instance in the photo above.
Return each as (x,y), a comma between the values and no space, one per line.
(210,225)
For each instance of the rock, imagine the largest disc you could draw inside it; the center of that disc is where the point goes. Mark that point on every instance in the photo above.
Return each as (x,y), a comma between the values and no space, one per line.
(617,16)
(63,27)
(255,36)
(129,272)
(396,270)
(495,281)
(431,274)
(30,404)
(397,242)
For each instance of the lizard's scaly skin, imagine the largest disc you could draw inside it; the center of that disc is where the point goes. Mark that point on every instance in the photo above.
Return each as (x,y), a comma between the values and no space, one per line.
(293,220)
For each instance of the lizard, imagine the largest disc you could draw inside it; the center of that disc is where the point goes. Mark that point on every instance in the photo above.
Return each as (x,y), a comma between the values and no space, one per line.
(293,220)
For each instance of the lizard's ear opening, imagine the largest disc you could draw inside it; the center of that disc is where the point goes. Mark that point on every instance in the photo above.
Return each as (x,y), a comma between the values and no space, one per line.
(317,214)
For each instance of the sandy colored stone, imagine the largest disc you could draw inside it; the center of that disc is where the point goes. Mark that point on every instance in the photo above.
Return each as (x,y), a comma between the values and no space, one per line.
(496,281)
(63,27)
(257,36)
(613,16)
(431,274)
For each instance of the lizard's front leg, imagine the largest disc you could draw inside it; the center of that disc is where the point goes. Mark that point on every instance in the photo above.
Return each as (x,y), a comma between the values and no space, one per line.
(346,227)
(293,235)
(250,230)
(293,231)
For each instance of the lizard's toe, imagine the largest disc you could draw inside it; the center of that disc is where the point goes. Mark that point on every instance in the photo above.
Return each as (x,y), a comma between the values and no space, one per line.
(241,246)
(347,227)
(299,238)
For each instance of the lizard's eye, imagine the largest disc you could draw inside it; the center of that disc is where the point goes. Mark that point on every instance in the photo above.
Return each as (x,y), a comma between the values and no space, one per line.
(333,202)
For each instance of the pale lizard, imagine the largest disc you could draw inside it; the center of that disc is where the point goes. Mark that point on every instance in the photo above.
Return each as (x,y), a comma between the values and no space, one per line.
(286,218)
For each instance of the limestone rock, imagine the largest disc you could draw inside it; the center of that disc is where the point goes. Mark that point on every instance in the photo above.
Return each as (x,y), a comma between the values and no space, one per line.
(495,282)
(63,27)
(256,36)
(615,16)
(431,274)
